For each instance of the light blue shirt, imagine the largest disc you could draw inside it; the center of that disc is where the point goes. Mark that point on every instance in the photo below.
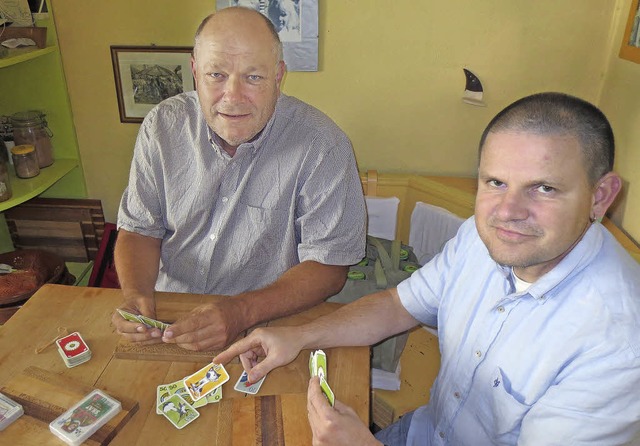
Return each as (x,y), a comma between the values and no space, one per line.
(557,364)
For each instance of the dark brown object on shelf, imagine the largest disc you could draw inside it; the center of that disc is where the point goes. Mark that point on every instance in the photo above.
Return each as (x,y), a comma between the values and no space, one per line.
(36,33)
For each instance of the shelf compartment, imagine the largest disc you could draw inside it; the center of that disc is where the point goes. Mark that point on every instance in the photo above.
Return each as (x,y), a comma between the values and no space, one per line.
(26,189)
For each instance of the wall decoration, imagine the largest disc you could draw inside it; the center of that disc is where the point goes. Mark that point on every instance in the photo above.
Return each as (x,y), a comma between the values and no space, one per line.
(630,48)
(297,24)
(146,75)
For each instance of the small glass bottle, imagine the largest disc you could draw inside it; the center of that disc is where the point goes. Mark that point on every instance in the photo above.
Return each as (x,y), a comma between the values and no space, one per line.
(30,127)
(5,185)
(25,161)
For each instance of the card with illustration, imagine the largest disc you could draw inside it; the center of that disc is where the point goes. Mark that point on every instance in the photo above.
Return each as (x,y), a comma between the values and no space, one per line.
(206,380)
(128,316)
(178,411)
(243,384)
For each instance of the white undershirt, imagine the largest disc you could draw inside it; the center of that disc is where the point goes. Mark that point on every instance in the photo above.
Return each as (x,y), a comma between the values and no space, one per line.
(520,284)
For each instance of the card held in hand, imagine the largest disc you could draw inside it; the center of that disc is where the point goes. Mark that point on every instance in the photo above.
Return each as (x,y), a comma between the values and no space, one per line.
(318,367)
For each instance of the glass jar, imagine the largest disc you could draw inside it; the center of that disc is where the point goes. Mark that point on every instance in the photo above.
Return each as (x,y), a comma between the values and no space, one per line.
(30,128)
(25,161)
(5,186)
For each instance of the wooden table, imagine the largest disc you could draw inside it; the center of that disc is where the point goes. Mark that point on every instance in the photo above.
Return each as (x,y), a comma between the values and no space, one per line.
(276,416)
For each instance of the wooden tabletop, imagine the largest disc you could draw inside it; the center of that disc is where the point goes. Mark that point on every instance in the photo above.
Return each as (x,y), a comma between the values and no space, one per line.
(276,416)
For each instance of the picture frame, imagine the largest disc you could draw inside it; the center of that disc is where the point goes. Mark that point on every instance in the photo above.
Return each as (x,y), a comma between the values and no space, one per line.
(630,48)
(146,75)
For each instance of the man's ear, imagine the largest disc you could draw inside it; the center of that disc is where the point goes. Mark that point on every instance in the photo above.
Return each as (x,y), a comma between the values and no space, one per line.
(193,71)
(280,71)
(605,192)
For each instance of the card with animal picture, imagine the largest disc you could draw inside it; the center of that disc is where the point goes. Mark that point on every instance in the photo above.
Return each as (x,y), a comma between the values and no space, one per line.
(178,411)
(243,384)
(215,396)
(206,380)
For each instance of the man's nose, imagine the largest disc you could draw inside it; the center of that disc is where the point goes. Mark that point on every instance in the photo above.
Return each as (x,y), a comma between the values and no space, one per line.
(512,206)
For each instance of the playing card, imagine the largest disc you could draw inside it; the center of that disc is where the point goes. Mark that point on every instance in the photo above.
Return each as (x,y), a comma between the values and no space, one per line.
(153,323)
(162,394)
(85,418)
(327,391)
(243,384)
(318,367)
(206,380)
(215,396)
(9,411)
(178,411)
(129,316)
(72,345)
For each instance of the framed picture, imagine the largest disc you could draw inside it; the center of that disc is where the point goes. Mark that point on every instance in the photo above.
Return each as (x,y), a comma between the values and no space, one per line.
(296,22)
(630,48)
(146,75)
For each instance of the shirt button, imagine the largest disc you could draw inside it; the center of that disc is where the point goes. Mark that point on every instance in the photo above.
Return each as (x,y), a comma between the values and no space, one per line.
(225,199)
(456,394)
(441,434)
(478,353)
(202,271)
(501,309)
(212,237)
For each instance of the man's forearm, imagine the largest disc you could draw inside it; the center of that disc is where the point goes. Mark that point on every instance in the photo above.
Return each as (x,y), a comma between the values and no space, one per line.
(137,260)
(365,321)
(299,288)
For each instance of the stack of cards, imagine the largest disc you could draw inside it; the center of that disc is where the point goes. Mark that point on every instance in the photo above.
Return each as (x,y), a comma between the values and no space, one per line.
(318,367)
(151,323)
(10,411)
(73,349)
(178,401)
(82,420)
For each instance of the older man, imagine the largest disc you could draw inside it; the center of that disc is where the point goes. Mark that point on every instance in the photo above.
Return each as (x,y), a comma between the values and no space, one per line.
(537,305)
(237,190)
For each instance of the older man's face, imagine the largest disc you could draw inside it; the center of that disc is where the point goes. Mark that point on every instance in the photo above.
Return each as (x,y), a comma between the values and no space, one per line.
(238,77)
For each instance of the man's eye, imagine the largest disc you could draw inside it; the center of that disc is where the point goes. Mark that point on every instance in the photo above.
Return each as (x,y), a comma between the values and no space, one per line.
(254,77)
(495,183)
(545,189)
(216,75)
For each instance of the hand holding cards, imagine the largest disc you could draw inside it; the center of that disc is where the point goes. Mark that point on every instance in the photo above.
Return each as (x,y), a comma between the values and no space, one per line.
(151,323)
(318,367)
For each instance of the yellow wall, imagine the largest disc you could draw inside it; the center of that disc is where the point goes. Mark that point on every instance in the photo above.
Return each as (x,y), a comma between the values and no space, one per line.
(390,72)
(620,102)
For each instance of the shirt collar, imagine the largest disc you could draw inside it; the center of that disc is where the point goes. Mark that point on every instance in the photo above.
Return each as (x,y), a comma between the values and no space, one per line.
(575,261)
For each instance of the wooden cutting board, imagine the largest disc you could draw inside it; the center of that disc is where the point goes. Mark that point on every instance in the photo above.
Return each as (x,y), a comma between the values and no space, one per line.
(45,396)
(161,352)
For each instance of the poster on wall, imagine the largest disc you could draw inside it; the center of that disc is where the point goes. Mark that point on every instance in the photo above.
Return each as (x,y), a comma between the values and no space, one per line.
(297,24)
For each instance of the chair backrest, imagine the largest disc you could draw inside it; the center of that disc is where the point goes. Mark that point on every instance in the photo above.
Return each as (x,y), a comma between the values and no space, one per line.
(431,227)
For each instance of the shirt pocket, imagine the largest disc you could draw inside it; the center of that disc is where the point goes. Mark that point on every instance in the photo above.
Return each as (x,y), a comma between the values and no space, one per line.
(263,235)
(505,406)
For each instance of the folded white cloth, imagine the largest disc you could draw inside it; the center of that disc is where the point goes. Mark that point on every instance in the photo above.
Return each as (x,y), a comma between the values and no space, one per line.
(431,227)
(383,214)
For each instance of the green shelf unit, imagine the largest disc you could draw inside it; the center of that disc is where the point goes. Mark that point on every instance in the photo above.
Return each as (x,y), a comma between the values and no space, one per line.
(28,188)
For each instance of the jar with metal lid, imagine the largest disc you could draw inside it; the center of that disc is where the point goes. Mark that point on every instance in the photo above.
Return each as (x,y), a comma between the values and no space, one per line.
(30,128)
(5,185)
(25,161)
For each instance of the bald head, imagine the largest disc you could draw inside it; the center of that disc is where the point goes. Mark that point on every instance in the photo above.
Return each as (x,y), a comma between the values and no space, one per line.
(243,22)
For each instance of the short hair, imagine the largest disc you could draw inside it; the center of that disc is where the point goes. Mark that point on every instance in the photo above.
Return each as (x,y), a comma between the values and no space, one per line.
(272,29)
(561,114)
